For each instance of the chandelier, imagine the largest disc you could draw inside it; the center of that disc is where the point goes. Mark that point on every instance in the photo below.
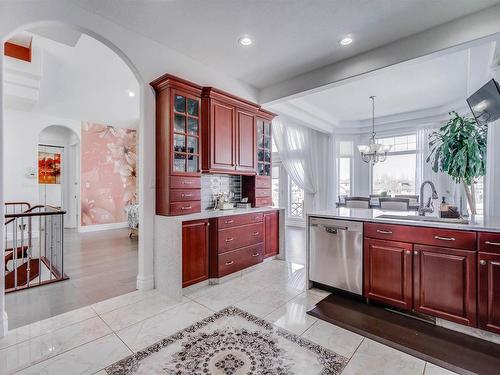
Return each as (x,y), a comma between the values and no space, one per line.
(373,151)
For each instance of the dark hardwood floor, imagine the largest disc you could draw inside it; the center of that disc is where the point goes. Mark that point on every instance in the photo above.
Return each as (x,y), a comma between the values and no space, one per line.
(100,265)
(446,348)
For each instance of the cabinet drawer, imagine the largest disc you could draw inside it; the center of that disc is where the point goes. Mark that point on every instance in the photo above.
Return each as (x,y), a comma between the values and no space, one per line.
(237,220)
(422,235)
(263,202)
(489,242)
(263,182)
(237,260)
(234,238)
(185,195)
(184,208)
(266,193)
(181,182)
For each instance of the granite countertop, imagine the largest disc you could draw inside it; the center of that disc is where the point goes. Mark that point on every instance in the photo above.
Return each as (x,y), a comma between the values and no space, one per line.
(209,214)
(477,223)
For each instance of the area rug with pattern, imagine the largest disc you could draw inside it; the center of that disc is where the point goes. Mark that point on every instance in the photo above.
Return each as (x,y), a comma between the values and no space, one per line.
(232,342)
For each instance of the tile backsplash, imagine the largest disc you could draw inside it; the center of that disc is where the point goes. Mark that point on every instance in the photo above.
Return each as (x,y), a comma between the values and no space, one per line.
(213,184)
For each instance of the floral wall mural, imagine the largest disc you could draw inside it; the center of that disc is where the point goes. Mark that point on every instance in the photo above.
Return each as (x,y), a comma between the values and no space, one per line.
(108,183)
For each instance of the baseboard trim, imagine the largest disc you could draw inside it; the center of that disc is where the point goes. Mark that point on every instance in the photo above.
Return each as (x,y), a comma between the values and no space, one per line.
(99,227)
(145,282)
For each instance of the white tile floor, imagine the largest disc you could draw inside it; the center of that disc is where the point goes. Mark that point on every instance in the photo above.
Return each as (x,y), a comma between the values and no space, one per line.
(87,340)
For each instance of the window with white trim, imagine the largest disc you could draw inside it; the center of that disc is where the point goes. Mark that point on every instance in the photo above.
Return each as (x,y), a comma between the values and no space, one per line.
(397,174)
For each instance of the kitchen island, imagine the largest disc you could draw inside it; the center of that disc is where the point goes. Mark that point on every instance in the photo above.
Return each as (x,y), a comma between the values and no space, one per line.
(168,243)
(446,269)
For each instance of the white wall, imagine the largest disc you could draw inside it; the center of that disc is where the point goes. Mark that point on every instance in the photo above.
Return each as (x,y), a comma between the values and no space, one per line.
(22,131)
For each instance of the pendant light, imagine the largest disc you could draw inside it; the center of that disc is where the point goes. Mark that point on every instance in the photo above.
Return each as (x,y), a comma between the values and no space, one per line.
(373,152)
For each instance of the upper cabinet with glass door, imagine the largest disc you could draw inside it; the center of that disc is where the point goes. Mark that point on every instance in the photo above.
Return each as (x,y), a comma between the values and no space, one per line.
(264,147)
(186,133)
(178,117)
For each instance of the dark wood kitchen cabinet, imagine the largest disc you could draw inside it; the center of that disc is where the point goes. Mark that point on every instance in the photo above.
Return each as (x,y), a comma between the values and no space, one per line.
(445,283)
(271,233)
(195,256)
(178,146)
(388,272)
(258,188)
(489,282)
(228,129)
(429,270)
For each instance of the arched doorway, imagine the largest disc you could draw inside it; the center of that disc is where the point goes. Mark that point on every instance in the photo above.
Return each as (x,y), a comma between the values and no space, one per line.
(61,143)
(70,137)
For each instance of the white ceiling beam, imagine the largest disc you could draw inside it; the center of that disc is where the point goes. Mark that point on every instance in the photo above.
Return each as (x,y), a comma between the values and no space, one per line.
(303,117)
(452,34)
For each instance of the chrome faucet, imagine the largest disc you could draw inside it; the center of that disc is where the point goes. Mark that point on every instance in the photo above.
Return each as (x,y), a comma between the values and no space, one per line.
(429,207)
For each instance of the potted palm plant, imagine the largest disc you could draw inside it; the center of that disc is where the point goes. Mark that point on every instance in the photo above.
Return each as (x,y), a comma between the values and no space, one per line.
(458,148)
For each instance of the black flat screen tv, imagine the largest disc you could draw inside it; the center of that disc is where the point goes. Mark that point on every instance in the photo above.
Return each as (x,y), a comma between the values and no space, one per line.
(485,103)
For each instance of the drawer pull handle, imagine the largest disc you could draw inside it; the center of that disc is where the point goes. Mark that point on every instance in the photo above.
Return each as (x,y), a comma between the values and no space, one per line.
(186,195)
(482,262)
(228,221)
(444,238)
(384,231)
(256,233)
(255,254)
(229,239)
(187,182)
(230,262)
(257,217)
(186,208)
(492,243)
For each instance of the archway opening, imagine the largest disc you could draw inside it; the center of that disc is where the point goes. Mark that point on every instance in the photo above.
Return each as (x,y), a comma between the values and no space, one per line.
(71,123)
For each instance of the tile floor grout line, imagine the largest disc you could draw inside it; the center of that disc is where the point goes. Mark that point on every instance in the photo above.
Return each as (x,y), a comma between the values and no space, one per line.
(48,332)
(63,352)
(142,320)
(352,356)
(128,304)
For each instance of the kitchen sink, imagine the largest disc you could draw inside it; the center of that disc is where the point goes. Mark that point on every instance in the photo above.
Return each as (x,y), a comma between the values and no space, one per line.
(424,218)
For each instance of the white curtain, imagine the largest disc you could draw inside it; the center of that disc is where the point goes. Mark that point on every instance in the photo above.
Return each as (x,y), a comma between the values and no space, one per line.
(445,186)
(492,178)
(308,157)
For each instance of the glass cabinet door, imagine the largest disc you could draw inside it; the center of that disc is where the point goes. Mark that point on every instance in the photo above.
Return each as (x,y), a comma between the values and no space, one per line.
(264,148)
(186,133)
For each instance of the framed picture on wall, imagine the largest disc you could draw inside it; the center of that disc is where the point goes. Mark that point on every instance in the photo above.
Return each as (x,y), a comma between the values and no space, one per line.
(49,168)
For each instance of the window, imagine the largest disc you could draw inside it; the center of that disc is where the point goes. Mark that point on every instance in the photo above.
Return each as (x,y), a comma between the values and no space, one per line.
(295,200)
(344,166)
(397,174)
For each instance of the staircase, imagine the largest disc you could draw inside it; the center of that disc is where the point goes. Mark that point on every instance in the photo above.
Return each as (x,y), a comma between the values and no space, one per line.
(32,257)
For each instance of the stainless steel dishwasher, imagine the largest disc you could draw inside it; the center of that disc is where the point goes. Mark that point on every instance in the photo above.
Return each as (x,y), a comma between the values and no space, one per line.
(336,253)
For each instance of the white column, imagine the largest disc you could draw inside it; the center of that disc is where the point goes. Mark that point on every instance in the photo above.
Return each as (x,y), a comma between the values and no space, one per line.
(3,314)
(146,178)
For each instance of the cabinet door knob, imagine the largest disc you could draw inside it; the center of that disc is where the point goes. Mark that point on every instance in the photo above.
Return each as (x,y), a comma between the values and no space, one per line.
(482,262)
(415,252)
(408,252)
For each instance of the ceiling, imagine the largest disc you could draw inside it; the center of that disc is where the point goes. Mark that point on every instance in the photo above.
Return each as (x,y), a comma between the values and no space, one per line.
(432,85)
(290,37)
(87,82)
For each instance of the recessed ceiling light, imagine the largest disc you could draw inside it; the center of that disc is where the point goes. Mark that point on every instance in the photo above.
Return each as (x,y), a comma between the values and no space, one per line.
(245,41)
(346,41)
(131,93)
